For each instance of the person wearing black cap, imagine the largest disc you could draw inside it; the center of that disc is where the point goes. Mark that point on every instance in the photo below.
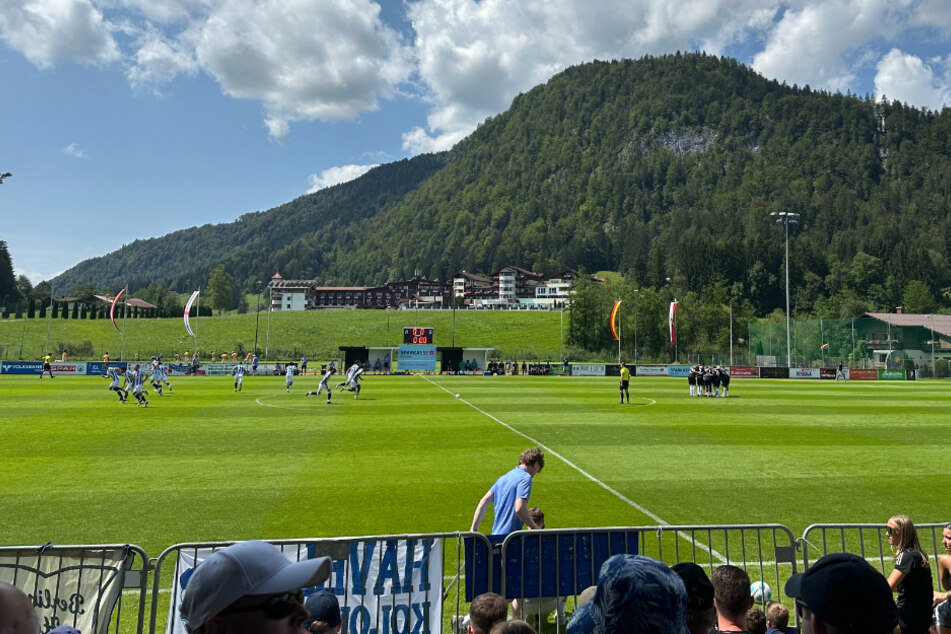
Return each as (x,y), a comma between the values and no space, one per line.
(250,588)
(842,593)
(701,615)
(324,613)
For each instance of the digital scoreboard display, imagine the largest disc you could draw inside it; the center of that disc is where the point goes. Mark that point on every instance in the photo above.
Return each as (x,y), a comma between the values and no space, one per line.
(417,335)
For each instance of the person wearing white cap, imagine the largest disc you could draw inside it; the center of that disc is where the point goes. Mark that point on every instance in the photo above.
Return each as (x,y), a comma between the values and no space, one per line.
(250,587)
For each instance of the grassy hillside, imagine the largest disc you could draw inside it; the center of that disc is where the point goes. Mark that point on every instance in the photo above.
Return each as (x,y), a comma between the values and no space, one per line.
(318,334)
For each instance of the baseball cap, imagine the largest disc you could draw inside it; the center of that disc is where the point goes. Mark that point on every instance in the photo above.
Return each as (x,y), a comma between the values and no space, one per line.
(699,588)
(243,569)
(323,606)
(64,629)
(844,590)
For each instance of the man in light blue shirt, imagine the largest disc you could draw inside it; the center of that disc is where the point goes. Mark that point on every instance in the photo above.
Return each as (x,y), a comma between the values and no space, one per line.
(510,495)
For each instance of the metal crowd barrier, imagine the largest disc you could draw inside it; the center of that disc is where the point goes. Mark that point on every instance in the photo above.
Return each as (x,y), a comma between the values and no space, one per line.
(417,583)
(388,584)
(868,541)
(81,586)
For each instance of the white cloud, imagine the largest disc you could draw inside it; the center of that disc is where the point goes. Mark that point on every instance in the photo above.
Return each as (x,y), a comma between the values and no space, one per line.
(303,59)
(474,57)
(903,77)
(75,151)
(336,175)
(49,30)
(159,60)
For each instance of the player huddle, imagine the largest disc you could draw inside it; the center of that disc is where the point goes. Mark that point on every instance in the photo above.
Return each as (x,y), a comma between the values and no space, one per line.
(708,381)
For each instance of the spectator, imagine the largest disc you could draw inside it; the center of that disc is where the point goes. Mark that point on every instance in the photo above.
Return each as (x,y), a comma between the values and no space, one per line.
(17,615)
(942,613)
(635,595)
(731,597)
(514,626)
(756,621)
(777,619)
(64,629)
(324,613)
(911,578)
(249,587)
(510,495)
(842,594)
(484,612)
(701,615)
(535,610)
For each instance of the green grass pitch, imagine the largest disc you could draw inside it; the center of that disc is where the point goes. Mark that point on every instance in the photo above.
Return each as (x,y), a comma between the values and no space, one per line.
(204,463)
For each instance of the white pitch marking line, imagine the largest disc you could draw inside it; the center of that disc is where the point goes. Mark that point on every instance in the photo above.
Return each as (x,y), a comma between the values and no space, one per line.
(259,400)
(606,487)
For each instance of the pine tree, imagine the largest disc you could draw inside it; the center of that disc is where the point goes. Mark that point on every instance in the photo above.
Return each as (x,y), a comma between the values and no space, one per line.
(8,282)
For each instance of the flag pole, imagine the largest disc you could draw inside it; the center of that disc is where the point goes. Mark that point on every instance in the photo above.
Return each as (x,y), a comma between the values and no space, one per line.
(125,309)
(197,311)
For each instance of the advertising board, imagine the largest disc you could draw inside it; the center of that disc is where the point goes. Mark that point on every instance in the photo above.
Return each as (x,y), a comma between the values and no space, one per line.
(587,369)
(863,374)
(891,375)
(774,373)
(826,373)
(803,373)
(21,367)
(678,370)
(744,372)
(651,370)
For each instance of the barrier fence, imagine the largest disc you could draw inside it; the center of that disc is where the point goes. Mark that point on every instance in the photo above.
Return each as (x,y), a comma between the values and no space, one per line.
(417,583)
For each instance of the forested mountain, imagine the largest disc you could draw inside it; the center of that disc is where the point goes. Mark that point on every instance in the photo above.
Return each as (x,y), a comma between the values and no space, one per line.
(659,168)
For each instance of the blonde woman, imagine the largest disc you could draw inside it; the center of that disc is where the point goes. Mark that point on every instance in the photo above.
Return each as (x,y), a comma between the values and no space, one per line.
(911,578)
(942,604)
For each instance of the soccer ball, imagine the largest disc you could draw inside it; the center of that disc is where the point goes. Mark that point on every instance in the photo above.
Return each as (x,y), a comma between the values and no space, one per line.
(761,592)
(458,396)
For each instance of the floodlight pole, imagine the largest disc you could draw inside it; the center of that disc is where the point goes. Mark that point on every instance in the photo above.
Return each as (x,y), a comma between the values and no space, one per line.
(49,320)
(636,291)
(731,329)
(257,318)
(933,368)
(786,217)
(267,338)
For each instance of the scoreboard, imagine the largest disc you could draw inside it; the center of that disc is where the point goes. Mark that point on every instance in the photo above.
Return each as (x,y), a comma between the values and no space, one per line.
(417,335)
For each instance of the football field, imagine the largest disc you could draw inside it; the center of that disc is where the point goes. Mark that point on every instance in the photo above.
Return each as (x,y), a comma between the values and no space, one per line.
(204,463)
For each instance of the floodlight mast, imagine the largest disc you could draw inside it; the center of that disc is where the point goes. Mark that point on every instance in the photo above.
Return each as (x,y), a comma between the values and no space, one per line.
(786,217)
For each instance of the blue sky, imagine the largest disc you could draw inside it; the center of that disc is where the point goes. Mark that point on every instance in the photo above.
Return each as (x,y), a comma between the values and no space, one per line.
(128,119)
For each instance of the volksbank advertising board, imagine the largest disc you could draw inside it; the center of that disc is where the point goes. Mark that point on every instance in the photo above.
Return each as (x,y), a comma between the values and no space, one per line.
(417,357)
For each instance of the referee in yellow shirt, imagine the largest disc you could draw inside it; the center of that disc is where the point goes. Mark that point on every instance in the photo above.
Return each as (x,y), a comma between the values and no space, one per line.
(625,383)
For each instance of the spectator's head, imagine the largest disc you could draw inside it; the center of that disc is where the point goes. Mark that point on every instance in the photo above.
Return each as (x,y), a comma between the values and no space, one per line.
(635,595)
(902,535)
(64,629)
(324,609)
(538,516)
(512,627)
(842,593)
(756,621)
(485,611)
(533,459)
(731,594)
(701,615)
(777,616)
(249,587)
(16,611)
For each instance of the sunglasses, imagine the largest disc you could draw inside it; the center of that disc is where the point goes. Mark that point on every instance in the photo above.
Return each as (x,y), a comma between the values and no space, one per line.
(891,531)
(801,609)
(275,608)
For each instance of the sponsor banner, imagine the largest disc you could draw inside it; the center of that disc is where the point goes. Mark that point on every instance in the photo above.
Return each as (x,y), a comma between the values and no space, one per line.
(803,373)
(178,369)
(218,369)
(744,372)
(774,373)
(651,370)
(68,368)
(826,373)
(94,368)
(863,374)
(911,375)
(678,370)
(417,357)
(587,369)
(891,375)
(384,587)
(21,367)
(77,588)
